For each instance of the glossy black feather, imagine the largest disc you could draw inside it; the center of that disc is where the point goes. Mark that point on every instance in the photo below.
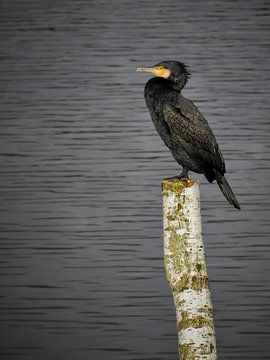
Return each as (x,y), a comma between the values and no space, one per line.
(195,136)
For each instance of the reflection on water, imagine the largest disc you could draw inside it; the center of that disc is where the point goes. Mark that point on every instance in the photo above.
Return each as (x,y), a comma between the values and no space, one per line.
(81,234)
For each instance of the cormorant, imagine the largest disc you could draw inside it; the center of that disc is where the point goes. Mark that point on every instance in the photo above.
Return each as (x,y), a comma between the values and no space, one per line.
(182,127)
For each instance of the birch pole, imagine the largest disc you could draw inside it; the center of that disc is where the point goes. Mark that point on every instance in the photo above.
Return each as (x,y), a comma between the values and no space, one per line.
(185,269)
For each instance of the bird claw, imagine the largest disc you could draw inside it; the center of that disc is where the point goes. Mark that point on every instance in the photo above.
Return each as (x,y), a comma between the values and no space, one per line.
(179,177)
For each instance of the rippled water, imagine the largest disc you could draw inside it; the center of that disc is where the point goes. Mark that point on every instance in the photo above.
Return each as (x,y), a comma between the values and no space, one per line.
(81,234)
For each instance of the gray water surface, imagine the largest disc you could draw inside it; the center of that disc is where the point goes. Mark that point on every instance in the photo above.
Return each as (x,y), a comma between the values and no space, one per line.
(81,214)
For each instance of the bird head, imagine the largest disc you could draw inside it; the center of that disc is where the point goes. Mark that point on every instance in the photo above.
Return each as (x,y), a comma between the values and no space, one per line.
(174,71)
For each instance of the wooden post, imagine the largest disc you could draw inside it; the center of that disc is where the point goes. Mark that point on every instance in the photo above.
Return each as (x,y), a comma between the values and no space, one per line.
(185,269)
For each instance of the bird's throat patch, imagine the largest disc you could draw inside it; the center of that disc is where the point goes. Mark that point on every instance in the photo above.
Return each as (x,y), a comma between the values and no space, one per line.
(162,72)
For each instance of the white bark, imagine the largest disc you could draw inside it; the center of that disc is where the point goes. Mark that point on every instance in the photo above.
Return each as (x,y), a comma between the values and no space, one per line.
(185,269)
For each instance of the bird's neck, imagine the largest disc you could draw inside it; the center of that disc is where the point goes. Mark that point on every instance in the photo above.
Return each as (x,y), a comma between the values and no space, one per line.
(179,83)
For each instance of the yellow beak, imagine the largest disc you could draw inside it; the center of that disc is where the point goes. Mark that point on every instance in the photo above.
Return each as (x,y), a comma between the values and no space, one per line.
(156,70)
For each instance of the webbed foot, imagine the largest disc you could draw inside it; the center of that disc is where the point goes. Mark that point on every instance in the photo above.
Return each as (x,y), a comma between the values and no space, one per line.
(183,175)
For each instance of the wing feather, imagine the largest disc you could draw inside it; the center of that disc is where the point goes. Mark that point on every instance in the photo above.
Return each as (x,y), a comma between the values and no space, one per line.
(190,129)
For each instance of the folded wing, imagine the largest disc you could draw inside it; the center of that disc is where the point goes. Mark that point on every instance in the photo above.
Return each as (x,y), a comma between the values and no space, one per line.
(189,129)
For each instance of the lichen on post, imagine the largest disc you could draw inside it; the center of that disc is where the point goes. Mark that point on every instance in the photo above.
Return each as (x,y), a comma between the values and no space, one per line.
(185,269)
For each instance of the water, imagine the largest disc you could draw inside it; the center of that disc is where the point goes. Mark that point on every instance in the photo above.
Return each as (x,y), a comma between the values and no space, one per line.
(81,234)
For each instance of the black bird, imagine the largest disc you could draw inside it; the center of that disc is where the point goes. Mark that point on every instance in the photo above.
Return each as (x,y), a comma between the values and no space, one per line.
(182,127)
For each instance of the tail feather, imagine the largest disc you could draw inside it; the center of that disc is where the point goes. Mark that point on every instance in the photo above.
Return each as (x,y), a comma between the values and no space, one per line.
(227,191)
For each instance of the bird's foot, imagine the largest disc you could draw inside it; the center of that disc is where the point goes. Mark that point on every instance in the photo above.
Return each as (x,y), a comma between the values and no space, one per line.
(172,178)
(182,176)
(179,177)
